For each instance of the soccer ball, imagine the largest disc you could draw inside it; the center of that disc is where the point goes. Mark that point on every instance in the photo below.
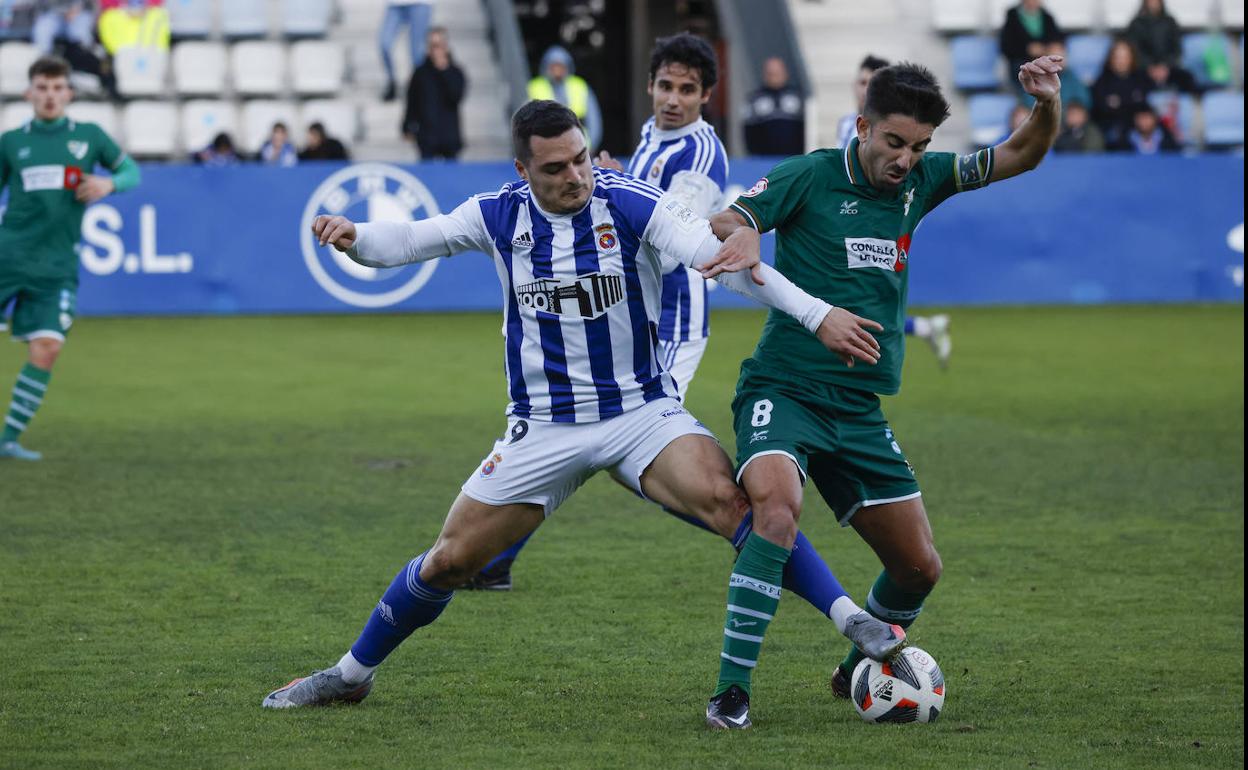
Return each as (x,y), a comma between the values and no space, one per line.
(909,688)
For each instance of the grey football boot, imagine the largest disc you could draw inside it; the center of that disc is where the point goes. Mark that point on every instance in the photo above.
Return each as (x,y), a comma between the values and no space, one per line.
(320,688)
(875,638)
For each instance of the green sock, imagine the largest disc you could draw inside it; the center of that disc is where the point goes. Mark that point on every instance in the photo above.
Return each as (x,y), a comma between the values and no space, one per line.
(753,597)
(32,383)
(888,602)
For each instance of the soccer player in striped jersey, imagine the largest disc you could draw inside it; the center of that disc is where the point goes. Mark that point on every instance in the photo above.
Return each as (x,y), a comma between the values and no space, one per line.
(48,166)
(680,153)
(577,251)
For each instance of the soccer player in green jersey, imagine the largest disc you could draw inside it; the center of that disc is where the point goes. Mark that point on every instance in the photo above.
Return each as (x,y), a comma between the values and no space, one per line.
(844,220)
(47,165)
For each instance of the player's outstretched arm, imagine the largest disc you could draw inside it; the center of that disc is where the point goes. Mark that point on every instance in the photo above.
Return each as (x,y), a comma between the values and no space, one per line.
(390,244)
(1031,141)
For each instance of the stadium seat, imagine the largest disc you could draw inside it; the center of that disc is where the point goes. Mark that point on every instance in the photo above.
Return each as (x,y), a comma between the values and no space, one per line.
(203,119)
(975,62)
(340,117)
(306,18)
(141,71)
(151,128)
(1231,14)
(258,68)
(189,18)
(1192,14)
(949,16)
(258,119)
(15,115)
(1073,14)
(1180,107)
(244,18)
(1086,55)
(1224,118)
(990,117)
(100,113)
(317,67)
(1119,13)
(996,13)
(15,61)
(199,68)
(1194,45)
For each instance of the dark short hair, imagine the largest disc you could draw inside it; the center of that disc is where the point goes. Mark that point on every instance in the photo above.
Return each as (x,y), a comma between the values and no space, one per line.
(873,63)
(49,66)
(541,117)
(317,127)
(906,89)
(281,125)
(689,50)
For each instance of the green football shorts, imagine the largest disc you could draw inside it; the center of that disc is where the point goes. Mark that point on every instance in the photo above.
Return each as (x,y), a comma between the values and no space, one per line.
(40,307)
(837,436)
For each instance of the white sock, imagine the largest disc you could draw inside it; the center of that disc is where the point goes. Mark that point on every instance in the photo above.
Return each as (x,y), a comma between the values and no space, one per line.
(353,671)
(922,326)
(841,611)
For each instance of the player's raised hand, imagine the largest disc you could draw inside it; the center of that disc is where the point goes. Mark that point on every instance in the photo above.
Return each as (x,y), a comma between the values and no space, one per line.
(92,188)
(604,160)
(846,335)
(739,251)
(336,231)
(1040,77)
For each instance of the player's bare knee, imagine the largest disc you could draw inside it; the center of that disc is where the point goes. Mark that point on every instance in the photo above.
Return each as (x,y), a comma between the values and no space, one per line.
(920,574)
(43,352)
(726,505)
(447,566)
(775,519)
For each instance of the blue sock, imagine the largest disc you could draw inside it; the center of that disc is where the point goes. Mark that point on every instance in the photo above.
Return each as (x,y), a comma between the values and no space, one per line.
(910,325)
(407,604)
(510,554)
(806,574)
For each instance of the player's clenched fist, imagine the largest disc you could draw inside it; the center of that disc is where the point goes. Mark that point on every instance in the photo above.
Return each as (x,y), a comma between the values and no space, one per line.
(846,334)
(337,231)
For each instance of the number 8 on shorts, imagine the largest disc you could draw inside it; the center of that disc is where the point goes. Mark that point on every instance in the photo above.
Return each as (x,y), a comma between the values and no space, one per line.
(762,413)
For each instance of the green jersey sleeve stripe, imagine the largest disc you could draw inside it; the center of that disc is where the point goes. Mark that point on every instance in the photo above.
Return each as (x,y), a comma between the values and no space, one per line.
(744,211)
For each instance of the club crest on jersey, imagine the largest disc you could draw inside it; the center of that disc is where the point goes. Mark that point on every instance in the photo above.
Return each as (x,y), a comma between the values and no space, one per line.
(656,170)
(759,187)
(586,296)
(607,241)
(77,148)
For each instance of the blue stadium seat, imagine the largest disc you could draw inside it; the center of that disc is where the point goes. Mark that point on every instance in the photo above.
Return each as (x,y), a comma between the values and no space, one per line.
(1194,45)
(1086,55)
(1183,106)
(244,18)
(1224,118)
(189,18)
(975,60)
(990,117)
(306,18)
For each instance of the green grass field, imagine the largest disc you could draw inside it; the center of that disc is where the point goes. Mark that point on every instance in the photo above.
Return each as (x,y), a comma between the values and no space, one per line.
(224,500)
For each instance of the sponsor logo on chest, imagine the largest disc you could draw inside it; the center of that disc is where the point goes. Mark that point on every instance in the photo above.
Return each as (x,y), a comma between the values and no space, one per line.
(877,253)
(50,177)
(586,296)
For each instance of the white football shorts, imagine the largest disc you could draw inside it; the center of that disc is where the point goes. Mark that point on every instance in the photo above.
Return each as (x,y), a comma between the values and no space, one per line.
(681,359)
(543,463)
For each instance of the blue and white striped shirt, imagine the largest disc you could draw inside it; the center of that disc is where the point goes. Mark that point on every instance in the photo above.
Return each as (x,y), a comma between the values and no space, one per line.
(691,163)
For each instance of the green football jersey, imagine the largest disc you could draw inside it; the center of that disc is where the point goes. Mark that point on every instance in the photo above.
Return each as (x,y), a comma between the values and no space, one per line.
(42,163)
(844,241)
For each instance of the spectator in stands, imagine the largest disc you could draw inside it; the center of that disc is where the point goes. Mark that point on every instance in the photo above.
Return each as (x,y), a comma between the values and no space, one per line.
(558,80)
(220,153)
(1028,32)
(278,151)
(322,146)
(133,24)
(775,115)
(1018,116)
(1120,90)
(1147,135)
(1158,42)
(70,20)
(1079,133)
(433,98)
(847,128)
(416,14)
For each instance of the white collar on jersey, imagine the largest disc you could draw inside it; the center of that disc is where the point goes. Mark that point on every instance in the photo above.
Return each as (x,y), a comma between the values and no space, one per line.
(667,135)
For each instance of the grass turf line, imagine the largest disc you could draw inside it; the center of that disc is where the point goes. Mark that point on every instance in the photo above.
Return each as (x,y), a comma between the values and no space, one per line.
(224,500)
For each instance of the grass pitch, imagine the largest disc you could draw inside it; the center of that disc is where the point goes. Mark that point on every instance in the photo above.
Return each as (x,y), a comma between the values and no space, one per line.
(224,500)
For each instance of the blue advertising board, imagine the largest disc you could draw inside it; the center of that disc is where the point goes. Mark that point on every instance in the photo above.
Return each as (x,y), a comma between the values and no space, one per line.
(195,240)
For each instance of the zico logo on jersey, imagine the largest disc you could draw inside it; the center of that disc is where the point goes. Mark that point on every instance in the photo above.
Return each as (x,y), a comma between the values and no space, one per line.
(878,253)
(587,296)
(51,177)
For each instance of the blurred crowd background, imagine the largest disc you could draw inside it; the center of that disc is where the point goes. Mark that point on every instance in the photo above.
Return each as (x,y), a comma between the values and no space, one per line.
(283,82)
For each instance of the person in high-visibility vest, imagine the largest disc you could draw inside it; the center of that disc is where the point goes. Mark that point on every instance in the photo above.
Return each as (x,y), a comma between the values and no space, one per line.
(559,82)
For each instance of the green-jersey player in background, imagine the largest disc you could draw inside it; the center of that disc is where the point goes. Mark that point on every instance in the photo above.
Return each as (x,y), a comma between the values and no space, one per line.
(844,220)
(46,166)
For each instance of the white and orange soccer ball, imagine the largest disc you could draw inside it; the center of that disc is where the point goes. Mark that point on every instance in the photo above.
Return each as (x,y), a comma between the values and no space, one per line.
(909,688)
